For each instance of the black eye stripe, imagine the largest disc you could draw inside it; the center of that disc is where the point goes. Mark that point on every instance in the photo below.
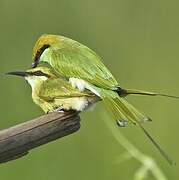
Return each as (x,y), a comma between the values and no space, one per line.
(38,54)
(39,73)
(45,46)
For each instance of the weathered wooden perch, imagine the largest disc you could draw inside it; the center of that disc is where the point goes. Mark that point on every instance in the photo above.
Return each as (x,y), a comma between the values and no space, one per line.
(16,141)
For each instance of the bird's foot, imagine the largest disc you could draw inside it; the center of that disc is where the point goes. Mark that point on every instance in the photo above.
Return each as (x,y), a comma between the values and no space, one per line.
(59,109)
(62,110)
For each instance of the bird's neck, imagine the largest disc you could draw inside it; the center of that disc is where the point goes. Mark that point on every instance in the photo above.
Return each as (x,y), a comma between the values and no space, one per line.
(36,84)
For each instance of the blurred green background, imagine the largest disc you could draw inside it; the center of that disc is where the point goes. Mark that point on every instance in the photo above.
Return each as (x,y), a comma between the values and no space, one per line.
(138,41)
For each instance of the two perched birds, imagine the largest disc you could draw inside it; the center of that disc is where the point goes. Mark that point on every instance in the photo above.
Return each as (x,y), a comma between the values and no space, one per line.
(66,75)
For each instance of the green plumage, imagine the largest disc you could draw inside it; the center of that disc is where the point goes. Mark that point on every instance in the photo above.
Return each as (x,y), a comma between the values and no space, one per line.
(57,93)
(70,59)
(51,92)
(59,88)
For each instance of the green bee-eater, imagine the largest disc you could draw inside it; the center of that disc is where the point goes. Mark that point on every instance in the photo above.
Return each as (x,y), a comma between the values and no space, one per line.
(79,79)
(84,70)
(53,93)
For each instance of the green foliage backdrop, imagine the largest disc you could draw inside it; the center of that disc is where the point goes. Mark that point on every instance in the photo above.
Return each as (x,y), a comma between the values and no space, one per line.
(138,41)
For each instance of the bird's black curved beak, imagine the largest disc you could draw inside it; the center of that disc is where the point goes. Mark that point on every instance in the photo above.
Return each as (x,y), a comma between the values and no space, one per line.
(18,73)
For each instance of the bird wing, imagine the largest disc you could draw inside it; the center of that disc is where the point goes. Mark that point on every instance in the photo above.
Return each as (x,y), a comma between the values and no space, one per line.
(57,88)
(73,59)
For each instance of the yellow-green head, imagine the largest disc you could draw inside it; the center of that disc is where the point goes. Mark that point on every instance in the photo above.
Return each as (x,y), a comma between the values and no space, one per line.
(44,42)
(35,76)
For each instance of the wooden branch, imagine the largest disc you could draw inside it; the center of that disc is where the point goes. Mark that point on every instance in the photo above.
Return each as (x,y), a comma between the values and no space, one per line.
(16,141)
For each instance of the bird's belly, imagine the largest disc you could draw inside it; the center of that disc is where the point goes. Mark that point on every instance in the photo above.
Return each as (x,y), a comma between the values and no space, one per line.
(75,103)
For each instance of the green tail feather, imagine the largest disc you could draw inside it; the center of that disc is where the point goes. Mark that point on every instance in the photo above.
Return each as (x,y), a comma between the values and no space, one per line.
(123,110)
(159,148)
(126,92)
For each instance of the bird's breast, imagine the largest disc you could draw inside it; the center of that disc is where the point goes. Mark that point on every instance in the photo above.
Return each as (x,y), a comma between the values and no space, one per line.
(76,103)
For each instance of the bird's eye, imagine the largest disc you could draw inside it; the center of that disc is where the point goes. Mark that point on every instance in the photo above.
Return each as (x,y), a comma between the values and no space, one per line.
(38,54)
(40,73)
(45,46)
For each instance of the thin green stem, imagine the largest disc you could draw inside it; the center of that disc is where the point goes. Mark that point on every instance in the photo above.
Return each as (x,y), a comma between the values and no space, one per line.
(148,163)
